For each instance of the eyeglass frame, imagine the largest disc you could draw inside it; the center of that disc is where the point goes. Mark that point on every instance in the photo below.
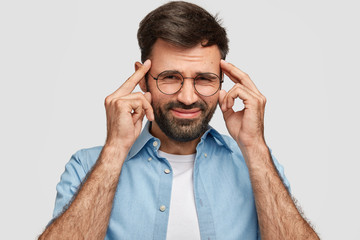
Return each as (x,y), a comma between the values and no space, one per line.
(183,79)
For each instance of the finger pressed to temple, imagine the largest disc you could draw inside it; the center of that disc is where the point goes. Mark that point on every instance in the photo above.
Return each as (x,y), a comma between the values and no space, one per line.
(238,76)
(129,85)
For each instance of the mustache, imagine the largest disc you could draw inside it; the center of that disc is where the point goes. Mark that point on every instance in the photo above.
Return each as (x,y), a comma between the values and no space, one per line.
(176,104)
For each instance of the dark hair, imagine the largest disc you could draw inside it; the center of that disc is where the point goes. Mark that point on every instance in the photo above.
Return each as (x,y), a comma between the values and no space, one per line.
(182,24)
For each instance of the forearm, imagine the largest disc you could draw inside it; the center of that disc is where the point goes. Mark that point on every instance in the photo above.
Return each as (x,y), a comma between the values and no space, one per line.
(88,215)
(277,214)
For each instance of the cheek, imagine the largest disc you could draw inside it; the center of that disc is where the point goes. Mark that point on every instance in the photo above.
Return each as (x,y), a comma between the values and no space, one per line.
(159,99)
(155,94)
(212,101)
(150,85)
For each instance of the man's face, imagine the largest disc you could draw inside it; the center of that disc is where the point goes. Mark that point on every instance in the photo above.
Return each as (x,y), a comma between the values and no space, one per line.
(183,116)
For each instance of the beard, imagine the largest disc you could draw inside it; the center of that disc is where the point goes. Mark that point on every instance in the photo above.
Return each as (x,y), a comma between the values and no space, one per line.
(183,130)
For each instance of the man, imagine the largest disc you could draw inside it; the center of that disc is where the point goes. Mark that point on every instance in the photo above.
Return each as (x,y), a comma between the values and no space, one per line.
(178,178)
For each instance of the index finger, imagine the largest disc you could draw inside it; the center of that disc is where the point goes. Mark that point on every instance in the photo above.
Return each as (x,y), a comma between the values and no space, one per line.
(129,85)
(238,76)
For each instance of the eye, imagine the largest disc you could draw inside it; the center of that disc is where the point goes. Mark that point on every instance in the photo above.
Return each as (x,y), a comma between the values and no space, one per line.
(202,78)
(170,76)
(207,78)
(175,77)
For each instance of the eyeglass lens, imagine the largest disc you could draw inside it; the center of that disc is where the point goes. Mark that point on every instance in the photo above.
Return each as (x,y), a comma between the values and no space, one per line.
(170,82)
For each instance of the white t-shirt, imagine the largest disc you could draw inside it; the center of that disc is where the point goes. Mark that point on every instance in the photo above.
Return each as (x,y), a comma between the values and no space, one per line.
(183,221)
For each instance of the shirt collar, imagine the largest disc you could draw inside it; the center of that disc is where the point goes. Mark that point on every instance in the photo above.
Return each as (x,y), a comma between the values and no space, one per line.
(141,141)
(146,136)
(219,139)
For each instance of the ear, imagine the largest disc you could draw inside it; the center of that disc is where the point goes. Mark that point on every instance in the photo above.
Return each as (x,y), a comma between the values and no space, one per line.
(142,82)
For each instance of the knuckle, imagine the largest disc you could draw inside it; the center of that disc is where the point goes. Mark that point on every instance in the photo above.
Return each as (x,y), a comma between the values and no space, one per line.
(118,103)
(260,101)
(138,94)
(264,99)
(238,85)
(107,101)
(136,102)
(139,98)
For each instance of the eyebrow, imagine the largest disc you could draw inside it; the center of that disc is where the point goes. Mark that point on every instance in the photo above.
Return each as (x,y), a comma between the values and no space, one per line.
(182,73)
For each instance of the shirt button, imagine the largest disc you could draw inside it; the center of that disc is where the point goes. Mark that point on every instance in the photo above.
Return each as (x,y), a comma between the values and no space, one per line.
(149,159)
(205,154)
(155,143)
(162,208)
(167,171)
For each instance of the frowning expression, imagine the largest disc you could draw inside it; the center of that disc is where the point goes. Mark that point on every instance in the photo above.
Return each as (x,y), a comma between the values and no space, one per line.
(183,116)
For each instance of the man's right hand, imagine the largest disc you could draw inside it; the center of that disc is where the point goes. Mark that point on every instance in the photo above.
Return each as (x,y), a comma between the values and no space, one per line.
(91,208)
(125,111)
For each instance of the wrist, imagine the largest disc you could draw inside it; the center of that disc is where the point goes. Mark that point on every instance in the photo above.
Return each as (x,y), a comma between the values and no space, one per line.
(117,144)
(256,155)
(255,145)
(114,153)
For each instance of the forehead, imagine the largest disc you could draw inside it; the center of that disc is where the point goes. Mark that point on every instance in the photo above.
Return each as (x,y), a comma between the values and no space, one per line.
(165,56)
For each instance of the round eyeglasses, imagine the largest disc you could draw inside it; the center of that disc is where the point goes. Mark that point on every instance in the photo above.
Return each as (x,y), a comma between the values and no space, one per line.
(170,82)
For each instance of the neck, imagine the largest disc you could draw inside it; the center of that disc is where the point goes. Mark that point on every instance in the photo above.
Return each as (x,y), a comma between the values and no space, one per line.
(172,146)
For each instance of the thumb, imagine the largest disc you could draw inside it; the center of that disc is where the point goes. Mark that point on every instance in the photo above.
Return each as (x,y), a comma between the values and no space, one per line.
(147,96)
(222,95)
(149,114)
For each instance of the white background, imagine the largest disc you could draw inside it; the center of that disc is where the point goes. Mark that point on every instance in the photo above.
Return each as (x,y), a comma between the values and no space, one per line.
(60,59)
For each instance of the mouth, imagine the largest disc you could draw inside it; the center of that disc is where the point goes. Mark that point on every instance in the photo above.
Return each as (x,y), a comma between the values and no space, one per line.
(186,113)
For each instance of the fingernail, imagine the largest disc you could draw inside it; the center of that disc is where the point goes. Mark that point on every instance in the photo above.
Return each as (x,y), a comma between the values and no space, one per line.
(222,60)
(147,63)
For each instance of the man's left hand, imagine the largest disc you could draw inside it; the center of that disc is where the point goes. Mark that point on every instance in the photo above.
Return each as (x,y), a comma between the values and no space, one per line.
(245,126)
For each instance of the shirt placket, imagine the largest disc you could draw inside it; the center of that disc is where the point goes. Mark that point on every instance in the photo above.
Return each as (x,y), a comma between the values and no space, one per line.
(164,195)
(203,208)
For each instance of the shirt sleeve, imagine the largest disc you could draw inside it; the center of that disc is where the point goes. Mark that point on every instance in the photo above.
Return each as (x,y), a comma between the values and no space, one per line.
(280,170)
(69,183)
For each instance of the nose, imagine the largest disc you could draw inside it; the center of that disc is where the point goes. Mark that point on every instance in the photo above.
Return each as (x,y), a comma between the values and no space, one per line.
(187,94)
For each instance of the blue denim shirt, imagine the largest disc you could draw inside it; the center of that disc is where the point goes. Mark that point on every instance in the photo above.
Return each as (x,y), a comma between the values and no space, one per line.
(223,195)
